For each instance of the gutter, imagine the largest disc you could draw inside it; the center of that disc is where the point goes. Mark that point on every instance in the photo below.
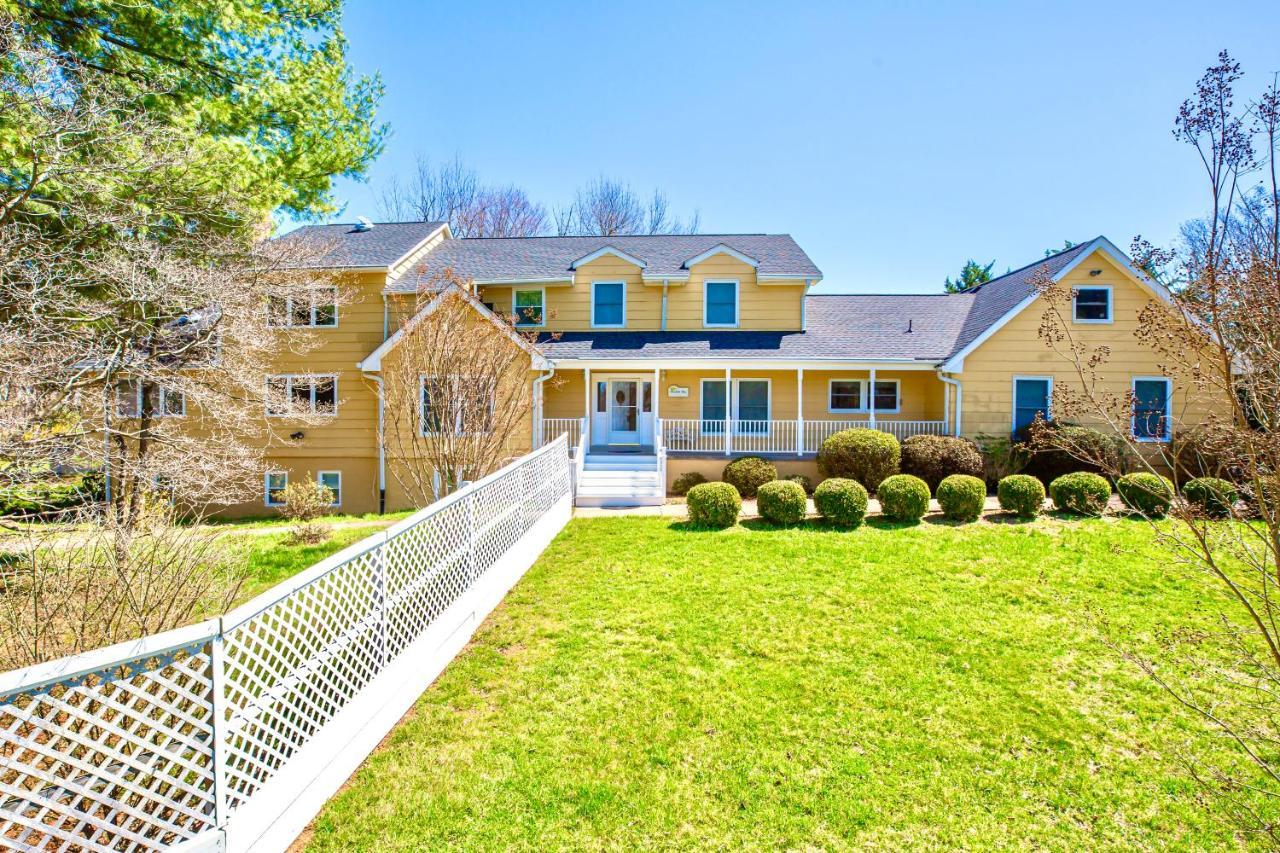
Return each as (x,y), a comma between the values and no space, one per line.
(954,383)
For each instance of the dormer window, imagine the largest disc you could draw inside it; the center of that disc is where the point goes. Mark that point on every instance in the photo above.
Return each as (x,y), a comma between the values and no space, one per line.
(1092,305)
(720,304)
(609,304)
(529,307)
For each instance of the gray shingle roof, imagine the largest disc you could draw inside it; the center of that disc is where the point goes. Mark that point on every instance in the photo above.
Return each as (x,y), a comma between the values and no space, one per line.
(852,326)
(993,300)
(380,246)
(532,258)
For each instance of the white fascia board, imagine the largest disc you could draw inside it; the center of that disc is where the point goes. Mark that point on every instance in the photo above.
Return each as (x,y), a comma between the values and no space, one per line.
(608,250)
(517,282)
(955,364)
(722,249)
(649,364)
(771,277)
(659,278)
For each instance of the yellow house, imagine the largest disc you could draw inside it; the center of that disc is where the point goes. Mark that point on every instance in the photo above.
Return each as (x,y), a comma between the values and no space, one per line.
(663,354)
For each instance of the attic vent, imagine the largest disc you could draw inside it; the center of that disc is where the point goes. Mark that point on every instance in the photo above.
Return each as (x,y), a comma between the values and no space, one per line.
(362,225)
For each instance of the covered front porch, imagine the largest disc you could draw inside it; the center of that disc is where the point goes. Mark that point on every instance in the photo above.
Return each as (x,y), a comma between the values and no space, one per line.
(701,411)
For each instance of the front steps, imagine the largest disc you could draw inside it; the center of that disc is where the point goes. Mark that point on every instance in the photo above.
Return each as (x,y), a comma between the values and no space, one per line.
(619,480)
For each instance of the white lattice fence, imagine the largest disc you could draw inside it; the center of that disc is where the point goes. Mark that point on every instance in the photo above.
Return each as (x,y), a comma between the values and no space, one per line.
(236,730)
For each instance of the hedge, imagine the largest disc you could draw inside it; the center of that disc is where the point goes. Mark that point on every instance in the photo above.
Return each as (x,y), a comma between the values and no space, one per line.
(962,497)
(1021,494)
(1147,493)
(933,458)
(782,502)
(686,481)
(1211,495)
(841,502)
(865,455)
(714,505)
(748,473)
(904,497)
(1081,492)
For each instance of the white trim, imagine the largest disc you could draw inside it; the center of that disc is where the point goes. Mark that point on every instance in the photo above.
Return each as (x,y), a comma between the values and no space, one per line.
(515,310)
(807,278)
(1111,314)
(715,363)
(955,363)
(897,396)
(520,282)
(737,401)
(702,396)
(592,318)
(372,363)
(1168,409)
(337,493)
(266,487)
(722,249)
(1013,400)
(737,303)
(315,379)
(732,408)
(607,250)
(862,395)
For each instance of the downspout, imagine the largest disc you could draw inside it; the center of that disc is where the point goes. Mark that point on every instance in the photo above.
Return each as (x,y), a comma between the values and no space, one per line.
(804,298)
(954,383)
(664,304)
(537,405)
(382,445)
(386,318)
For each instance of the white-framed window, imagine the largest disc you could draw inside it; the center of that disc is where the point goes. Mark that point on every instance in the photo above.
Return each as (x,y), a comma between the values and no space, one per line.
(749,404)
(165,402)
(1092,304)
(609,304)
(315,308)
(302,395)
(846,395)
(720,304)
(1032,397)
(462,405)
(529,306)
(331,480)
(887,399)
(273,486)
(1152,408)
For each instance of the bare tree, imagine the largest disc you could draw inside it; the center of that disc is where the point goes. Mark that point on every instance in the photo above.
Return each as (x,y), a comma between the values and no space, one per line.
(1220,340)
(457,393)
(453,193)
(606,207)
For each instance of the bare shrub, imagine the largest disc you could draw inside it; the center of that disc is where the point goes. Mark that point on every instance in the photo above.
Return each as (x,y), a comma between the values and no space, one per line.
(304,503)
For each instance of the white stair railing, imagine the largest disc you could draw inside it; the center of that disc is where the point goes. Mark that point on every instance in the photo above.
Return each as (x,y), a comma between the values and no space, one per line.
(231,734)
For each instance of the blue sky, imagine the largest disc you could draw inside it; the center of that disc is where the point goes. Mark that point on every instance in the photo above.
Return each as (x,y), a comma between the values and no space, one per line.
(893,140)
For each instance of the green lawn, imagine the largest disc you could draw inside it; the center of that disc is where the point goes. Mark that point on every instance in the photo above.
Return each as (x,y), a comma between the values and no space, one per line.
(648,685)
(269,558)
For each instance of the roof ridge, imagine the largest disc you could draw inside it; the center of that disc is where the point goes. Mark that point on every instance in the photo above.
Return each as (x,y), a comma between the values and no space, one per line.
(812,295)
(620,236)
(1046,259)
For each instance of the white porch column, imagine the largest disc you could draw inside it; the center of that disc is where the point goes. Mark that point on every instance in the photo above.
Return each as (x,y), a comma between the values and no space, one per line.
(586,425)
(657,418)
(871,401)
(728,411)
(799,411)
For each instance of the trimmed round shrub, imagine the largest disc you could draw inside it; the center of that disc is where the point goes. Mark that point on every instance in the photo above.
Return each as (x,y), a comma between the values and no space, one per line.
(1059,449)
(962,497)
(748,473)
(1147,493)
(782,502)
(805,482)
(714,505)
(904,497)
(865,455)
(686,481)
(1212,496)
(1081,492)
(932,458)
(841,502)
(1021,494)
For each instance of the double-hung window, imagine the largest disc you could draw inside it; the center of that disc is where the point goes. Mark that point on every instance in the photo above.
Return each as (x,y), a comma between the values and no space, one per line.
(165,402)
(316,307)
(1092,305)
(609,304)
(715,405)
(275,484)
(457,405)
(302,395)
(529,307)
(746,401)
(886,395)
(1152,408)
(1031,398)
(720,303)
(331,480)
(845,395)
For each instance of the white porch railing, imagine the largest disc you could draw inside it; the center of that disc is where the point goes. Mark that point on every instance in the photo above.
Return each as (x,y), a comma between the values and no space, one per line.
(232,733)
(553,428)
(692,435)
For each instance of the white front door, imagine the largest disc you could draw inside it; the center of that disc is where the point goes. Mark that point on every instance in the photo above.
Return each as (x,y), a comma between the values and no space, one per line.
(624,411)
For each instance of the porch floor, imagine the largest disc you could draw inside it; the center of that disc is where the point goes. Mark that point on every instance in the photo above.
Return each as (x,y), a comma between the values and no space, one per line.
(622,449)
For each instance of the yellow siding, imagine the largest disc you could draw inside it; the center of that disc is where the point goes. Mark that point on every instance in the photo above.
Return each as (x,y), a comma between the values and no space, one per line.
(1017,350)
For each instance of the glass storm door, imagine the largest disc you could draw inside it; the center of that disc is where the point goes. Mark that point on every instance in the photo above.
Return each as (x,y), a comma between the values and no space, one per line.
(624,412)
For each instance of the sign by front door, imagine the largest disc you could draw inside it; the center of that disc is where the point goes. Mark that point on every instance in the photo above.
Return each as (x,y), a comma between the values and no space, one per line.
(678,391)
